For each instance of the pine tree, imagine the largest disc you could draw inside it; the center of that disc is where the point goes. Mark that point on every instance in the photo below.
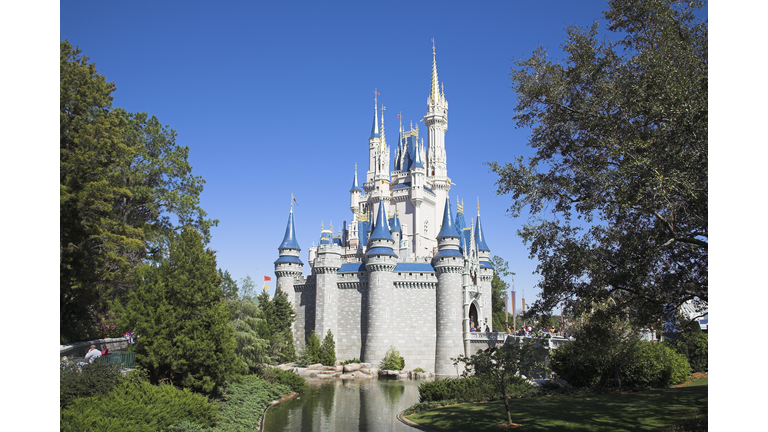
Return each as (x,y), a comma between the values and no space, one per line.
(328,350)
(181,319)
(313,348)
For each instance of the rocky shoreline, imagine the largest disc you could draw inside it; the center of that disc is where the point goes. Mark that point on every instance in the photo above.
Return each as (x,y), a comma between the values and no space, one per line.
(352,371)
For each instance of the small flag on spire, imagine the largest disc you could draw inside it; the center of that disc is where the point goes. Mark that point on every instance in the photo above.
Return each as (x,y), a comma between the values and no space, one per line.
(267,278)
(294,199)
(266,287)
(378,93)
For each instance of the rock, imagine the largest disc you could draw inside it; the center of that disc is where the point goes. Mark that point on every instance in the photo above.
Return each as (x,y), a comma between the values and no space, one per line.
(374,371)
(312,375)
(339,368)
(365,371)
(317,366)
(352,367)
(325,375)
(337,374)
(402,376)
(347,376)
(329,368)
(392,373)
(365,365)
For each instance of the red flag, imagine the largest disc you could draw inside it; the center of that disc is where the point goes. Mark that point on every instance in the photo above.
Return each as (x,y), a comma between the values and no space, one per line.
(398,116)
(267,278)
(378,93)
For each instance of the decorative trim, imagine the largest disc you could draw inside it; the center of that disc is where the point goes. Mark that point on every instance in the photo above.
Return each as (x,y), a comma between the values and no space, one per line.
(303,288)
(380,267)
(448,269)
(415,285)
(352,285)
(326,270)
(285,273)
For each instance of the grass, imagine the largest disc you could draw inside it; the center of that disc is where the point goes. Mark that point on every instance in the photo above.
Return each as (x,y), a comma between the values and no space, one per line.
(629,411)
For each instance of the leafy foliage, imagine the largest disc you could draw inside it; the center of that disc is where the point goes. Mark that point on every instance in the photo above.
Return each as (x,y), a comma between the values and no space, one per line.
(620,132)
(693,344)
(607,354)
(312,351)
(122,177)
(287,378)
(392,360)
(244,403)
(228,285)
(181,318)
(498,288)
(251,333)
(502,366)
(470,388)
(279,316)
(92,379)
(138,407)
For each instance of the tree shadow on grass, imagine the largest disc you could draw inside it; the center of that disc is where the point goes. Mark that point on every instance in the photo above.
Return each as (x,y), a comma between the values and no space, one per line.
(635,411)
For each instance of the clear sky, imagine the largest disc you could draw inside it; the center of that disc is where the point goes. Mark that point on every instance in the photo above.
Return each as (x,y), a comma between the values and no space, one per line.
(277,98)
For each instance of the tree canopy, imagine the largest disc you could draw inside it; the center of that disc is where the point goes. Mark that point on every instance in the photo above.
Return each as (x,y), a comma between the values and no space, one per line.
(179,312)
(620,137)
(125,188)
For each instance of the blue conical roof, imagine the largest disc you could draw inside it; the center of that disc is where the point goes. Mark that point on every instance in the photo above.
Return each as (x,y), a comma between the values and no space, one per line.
(380,229)
(375,127)
(289,241)
(394,223)
(480,237)
(355,186)
(448,230)
(417,162)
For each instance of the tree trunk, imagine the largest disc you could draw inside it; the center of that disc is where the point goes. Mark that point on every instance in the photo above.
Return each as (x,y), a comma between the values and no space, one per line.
(506,405)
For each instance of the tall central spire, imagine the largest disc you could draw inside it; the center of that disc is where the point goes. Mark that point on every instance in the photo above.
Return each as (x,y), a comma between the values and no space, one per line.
(435,94)
(375,128)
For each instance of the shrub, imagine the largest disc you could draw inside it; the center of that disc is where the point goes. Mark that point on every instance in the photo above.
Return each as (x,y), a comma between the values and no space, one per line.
(469,389)
(350,361)
(637,364)
(393,360)
(138,407)
(93,379)
(287,378)
(418,370)
(693,344)
(328,350)
(244,403)
(312,350)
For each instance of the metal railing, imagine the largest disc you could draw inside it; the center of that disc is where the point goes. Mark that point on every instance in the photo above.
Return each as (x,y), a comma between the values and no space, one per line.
(127,360)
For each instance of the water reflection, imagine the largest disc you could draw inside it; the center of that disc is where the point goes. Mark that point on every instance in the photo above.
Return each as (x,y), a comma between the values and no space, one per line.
(336,405)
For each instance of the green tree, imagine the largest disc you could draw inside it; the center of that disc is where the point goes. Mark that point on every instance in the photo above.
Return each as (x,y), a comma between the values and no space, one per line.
(503,366)
(228,285)
(248,288)
(620,133)
(328,350)
(123,181)
(393,360)
(181,318)
(251,333)
(313,349)
(498,288)
(279,316)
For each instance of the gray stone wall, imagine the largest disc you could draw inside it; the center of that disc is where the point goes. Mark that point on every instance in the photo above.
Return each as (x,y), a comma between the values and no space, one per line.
(352,316)
(304,292)
(327,264)
(381,317)
(449,318)
(414,310)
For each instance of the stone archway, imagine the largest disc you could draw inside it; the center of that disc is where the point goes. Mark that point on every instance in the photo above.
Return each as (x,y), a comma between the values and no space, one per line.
(473,316)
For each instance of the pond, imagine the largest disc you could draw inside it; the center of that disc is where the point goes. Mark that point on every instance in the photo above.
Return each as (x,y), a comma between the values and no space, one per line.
(345,405)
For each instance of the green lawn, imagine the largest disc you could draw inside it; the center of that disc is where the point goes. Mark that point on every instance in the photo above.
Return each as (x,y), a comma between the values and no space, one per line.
(638,411)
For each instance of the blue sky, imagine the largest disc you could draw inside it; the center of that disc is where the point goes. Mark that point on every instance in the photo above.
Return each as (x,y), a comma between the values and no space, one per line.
(277,98)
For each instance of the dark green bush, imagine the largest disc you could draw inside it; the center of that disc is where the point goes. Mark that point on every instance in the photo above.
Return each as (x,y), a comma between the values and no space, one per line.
(288,378)
(138,408)
(93,379)
(633,364)
(469,389)
(243,403)
(693,344)
(393,360)
(350,361)
(418,369)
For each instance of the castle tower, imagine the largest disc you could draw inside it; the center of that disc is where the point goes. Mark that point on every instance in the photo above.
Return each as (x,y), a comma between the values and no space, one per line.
(448,264)
(288,266)
(485,273)
(380,262)
(374,142)
(326,265)
(397,231)
(436,120)
(354,194)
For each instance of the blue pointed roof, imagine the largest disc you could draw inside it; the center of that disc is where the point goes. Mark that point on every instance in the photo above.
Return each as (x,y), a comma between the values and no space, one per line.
(375,127)
(355,186)
(289,240)
(380,229)
(394,223)
(480,237)
(417,162)
(448,230)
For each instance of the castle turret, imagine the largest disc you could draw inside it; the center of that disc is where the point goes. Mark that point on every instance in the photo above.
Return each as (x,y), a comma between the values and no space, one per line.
(327,262)
(448,264)
(485,273)
(436,121)
(288,266)
(380,261)
(354,194)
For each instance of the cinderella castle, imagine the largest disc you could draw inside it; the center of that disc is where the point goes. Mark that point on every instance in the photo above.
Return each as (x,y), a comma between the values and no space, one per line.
(406,272)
